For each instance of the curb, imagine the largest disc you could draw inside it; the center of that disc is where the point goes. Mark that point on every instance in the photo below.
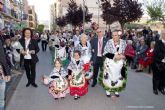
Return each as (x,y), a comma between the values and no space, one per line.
(11,87)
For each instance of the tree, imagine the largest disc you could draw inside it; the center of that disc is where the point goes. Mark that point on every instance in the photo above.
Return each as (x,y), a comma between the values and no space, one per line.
(74,14)
(61,21)
(156,10)
(107,16)
(40,28)
(124,11)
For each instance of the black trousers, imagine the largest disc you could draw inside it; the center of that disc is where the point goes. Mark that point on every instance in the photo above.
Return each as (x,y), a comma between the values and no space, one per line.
(44,45)
(129,60)
(158,79)
(97,66)
(30,68)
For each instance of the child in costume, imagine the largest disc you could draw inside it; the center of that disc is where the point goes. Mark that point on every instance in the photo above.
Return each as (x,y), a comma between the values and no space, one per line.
(57,81)
(78,84)
(60,52)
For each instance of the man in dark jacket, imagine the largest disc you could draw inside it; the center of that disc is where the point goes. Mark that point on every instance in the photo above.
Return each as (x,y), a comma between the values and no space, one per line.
(158,66)
(5,76)
(97,47)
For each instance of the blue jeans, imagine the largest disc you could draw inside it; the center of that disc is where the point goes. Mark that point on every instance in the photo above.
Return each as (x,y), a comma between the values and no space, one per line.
(2,94)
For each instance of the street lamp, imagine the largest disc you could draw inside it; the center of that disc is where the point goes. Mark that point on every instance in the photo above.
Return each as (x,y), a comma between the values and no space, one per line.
(98,12)
(83,16)
(22,12)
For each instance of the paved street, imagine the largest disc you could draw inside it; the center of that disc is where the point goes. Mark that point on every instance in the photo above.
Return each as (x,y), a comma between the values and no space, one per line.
(137,96)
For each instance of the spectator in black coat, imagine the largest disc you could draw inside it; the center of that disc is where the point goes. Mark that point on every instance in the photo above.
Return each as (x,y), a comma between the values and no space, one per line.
(29,52)
(158,66)
(4,76)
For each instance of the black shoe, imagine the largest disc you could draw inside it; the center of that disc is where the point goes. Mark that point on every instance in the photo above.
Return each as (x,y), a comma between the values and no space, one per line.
(75,97)
(55,98)
(34,85)
(62,97)
(94,83)
(117,95)
(155,92)
(109,96)
(139,71)
(163,92)
(28,84)
(133,67)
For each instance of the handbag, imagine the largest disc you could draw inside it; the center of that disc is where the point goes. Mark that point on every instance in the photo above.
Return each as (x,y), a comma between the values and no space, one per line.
(129,51)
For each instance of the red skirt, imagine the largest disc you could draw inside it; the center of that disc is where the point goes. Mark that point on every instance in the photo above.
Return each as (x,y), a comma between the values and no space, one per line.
(80,91)
(145,62)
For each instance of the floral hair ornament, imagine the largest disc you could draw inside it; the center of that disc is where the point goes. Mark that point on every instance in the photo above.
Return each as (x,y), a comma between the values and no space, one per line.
(119,33)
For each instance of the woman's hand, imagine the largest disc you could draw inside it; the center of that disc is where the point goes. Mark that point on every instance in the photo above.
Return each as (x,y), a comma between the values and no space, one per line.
(122,56)
(70,77)
(44,80)
(32,52)
(117,57)
(7,78)
(23,52)
(91,62)
(43,77)
(163,60)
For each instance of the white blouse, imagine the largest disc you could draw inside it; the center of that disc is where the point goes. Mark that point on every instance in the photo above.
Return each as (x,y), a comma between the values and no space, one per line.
(27,56)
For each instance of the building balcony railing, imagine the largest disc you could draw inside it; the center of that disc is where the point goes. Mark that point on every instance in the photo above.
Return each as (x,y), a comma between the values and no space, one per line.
(15,3)
(12,1)
(25,16)
(11,13)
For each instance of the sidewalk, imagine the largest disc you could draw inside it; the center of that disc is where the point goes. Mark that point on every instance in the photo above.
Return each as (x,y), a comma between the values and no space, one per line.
(137,95)
(12,85)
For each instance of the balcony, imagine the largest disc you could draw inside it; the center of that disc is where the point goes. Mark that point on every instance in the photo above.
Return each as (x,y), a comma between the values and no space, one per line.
(30,18)
(10,13)
(14,14)
(30,11)
(25,17)
(31,25)
(15,3)
(12,1)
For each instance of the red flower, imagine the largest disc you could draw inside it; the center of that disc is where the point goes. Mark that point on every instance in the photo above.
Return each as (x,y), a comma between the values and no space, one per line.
(86,67)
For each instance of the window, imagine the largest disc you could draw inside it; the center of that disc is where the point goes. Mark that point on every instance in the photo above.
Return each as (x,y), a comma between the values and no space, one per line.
(30,24)
(30,18)
(30,11)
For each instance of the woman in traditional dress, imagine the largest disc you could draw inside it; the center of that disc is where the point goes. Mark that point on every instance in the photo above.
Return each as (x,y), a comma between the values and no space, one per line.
(55,44)
(78,84)
(16,52)
(113,77)
(57,81)
(60,51)
(147,61)
(85,48)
